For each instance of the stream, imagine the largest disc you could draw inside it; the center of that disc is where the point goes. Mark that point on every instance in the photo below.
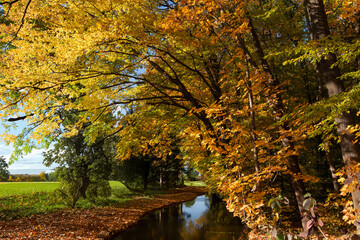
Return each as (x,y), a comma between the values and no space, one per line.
(199,219)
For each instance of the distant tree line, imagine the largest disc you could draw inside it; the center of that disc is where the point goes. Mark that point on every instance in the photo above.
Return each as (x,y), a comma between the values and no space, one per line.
(41,177)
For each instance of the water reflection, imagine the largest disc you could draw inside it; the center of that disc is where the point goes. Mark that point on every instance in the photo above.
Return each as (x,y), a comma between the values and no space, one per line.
(194,220)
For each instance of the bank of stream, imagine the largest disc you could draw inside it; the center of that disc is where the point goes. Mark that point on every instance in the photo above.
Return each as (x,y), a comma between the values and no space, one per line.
(93,223)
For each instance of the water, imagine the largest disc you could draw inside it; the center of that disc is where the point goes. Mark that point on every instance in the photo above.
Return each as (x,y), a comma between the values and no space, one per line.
(199,219)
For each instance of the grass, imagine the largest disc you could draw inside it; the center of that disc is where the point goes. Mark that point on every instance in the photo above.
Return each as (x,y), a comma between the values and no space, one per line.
(20,188)
(22,199)
(119,189)
(195,183)
(28,204)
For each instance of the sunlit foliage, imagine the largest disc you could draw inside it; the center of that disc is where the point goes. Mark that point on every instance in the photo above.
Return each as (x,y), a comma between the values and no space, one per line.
(258,94)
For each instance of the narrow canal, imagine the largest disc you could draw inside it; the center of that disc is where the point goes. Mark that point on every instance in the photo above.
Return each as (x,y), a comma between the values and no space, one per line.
(199,219)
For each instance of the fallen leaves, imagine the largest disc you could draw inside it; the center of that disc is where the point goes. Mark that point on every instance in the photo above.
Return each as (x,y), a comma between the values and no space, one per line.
(96,223)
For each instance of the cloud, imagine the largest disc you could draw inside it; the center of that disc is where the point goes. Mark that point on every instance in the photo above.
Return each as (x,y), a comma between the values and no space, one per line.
(31,161)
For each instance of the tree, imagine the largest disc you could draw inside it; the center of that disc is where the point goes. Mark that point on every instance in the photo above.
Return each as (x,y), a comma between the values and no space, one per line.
(331,75)
(191,79)
(52,177)
(42,176)
(148,149)
(232,83)
(133,173)
(4,173)
(84,169)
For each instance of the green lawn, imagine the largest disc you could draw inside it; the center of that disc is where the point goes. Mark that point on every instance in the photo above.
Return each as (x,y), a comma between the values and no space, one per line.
(21,199)
(195,183)
(19,188)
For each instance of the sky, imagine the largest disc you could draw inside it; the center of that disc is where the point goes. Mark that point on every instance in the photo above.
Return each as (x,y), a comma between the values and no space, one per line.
(29,164)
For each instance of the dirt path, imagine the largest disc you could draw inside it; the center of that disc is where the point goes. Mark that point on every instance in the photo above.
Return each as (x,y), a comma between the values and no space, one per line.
(97,223)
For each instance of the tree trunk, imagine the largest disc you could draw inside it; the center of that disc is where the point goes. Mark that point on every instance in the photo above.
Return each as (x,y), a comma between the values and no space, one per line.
(161,179)
(84,184)
(253,125)
(146,175)
(276,103)
(319,29)
(357,31)
(332,170)
(131,189)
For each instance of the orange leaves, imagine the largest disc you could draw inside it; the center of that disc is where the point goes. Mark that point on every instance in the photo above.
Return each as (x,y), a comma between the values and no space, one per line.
(348,9)
(95,223)
(350,214)
(59,60)
(184,73)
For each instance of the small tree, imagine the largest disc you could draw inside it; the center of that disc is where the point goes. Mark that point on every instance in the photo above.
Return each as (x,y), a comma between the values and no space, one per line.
(52,176)
(84,168)
(4,173)
(42,176)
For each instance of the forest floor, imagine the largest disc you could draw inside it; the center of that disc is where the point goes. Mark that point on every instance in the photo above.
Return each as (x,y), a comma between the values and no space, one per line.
(94,223)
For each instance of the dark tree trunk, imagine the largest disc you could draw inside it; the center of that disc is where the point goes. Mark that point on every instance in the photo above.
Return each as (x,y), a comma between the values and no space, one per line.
(276,103)
(161,179)
(84,184)
(319,29)
(357,31)
(253,124)
(131,189)
(146,175)
(332,170)
(357,23)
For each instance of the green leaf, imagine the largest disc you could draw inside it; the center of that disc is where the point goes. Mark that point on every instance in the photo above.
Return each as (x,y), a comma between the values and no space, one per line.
(270,202)
(307,195)
(280,236)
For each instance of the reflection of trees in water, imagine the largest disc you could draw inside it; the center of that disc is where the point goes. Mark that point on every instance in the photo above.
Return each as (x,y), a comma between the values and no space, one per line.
(189,203)
(170,223)
(161,225)
(215,223)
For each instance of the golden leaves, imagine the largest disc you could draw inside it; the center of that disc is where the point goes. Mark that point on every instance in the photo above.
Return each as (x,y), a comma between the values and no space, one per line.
(92,56)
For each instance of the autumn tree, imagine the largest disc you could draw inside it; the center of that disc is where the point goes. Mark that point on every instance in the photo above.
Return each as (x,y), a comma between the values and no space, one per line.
(133,173)
(148,149)
(194,67)
(323,50)
(42,176)
(234,83)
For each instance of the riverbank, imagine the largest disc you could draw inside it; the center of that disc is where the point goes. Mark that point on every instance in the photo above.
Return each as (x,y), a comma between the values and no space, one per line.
(95,223)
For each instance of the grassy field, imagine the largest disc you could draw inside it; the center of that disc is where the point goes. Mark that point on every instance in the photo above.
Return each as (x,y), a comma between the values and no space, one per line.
(21,199)
(195,183)
(19,188)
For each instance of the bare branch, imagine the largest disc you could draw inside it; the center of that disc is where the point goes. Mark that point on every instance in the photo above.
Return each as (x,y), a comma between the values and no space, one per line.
(9,2)
(22,20)
(14,119)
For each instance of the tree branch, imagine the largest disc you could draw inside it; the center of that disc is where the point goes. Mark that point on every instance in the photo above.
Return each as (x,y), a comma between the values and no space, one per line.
(22,19)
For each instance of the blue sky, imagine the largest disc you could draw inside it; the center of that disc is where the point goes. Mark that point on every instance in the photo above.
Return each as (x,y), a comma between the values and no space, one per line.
(31,163)
(28,164)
